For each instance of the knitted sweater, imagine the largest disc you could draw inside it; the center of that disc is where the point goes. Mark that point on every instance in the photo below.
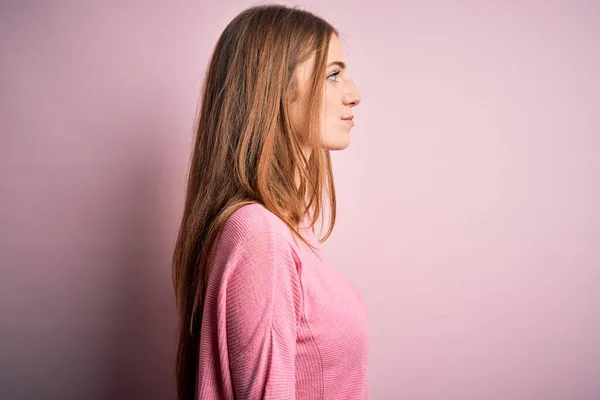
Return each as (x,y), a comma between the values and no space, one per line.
(279,322)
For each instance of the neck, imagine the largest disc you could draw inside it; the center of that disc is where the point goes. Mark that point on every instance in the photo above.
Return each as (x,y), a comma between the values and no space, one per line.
(307,154)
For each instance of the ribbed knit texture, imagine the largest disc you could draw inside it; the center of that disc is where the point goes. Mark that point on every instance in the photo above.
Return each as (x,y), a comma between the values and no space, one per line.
(279,322)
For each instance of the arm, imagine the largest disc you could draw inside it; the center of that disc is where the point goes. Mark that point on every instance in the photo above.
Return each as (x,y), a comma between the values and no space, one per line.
(262,306)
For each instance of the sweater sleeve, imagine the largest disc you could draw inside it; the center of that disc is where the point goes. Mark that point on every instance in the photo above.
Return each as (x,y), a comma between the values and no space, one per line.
(263,298)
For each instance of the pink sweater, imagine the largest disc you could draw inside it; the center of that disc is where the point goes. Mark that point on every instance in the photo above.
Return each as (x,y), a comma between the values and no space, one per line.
(279,322)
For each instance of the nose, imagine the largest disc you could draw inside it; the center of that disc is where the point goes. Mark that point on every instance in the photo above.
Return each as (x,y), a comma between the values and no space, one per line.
(352,96)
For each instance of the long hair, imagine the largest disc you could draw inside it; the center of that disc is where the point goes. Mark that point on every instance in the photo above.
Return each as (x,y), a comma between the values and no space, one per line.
(248,150)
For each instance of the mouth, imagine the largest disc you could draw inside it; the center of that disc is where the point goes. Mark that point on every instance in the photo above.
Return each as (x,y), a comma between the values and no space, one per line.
(348,120)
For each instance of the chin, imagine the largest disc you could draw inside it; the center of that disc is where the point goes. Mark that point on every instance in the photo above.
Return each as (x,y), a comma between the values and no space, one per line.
(337,143)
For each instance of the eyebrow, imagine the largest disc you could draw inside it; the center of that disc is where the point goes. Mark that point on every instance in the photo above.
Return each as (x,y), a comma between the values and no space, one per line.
(341,64)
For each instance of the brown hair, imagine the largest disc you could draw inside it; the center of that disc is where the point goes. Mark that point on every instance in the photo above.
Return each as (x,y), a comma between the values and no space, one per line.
(247,150)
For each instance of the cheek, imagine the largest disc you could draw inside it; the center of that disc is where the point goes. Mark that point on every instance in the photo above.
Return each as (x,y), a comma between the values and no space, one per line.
(331,108)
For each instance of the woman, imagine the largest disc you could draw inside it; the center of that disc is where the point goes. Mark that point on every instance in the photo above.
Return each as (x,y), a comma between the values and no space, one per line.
(263,314)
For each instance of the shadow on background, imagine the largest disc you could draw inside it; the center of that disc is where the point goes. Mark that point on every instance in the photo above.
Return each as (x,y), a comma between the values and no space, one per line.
(141,348)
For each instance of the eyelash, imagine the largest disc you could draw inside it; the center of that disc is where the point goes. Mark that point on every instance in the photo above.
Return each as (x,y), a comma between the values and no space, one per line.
(334,74)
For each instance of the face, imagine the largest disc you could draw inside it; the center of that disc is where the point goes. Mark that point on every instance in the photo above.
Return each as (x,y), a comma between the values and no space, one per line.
(339,97)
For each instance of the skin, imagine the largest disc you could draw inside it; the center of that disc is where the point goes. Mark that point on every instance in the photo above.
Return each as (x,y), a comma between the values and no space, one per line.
(339,97)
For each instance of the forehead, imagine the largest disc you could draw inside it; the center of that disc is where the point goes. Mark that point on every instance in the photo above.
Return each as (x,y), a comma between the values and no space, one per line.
(335,53)
(336,50)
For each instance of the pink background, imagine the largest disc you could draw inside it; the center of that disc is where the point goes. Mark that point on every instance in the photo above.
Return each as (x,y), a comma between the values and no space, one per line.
(468,198)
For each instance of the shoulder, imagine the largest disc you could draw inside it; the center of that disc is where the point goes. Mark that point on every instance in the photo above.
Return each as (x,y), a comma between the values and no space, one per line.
(253,224)
(254,219)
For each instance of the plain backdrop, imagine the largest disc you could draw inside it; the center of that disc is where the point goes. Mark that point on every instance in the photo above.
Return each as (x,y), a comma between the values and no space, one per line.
(468,198)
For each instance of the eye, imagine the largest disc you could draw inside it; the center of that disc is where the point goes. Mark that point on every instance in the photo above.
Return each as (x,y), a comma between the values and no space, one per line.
(334,75)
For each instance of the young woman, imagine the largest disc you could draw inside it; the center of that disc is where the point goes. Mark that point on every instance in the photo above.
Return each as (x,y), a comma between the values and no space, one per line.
(263,313)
